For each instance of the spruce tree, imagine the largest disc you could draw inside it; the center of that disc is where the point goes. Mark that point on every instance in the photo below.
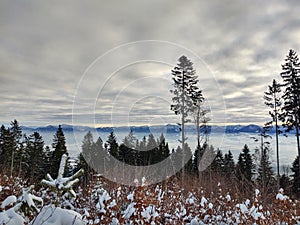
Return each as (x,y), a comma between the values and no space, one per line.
(296,177)
(163,149)
(36,156)
(48,159)
(127,151)
(245,165)
(8,147)
(59,146)
(112,146)
(85,157)
(151,149)
(291,95)
(100,157)
(16,156)
(217,164)
(185,89)
(265,177)
(273,100)
(229,165)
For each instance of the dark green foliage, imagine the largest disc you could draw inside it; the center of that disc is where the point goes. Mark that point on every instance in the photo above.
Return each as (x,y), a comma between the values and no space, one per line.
(284,182)
(265,177)
(112,146)
(11,147)
(198,154)
(178,157)
(85,157)
(7,147)
(296,177)
(291,95)
(100,157)
(36,160)
(245,166)
(229,165)
(184,94)
(217,165)
(59,146)
(185,88)
(145,152)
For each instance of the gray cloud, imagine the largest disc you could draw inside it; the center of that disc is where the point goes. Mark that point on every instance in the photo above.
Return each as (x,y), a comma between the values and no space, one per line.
(45,48)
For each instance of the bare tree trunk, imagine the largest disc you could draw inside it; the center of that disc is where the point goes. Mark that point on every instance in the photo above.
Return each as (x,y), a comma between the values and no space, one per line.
(298,142)
(183,127)
(277,146)
(12,163)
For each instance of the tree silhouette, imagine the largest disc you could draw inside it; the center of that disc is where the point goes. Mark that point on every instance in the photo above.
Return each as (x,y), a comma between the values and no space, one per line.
(185,89)
(291,95)
(273,100)
(59,145)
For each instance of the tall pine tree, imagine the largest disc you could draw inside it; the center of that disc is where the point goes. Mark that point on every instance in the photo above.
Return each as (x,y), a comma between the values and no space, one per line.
(185,89)
(291,95)
(273,100)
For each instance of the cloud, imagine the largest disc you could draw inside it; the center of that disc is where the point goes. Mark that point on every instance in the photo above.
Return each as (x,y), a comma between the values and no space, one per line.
(45,48)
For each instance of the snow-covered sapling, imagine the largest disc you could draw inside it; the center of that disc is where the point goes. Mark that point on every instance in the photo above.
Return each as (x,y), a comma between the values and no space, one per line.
(64,184)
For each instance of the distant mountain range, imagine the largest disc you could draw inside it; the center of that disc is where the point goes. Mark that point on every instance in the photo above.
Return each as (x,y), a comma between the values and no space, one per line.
(169,128)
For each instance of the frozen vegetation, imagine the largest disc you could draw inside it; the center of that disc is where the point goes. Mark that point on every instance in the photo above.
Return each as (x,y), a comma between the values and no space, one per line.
(166,203)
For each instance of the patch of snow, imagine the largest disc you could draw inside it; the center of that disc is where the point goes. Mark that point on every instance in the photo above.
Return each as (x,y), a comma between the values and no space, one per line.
(281,197)
(228,198)
(10,200)
(129,211)
(130,196)
(257,192)
(10,217)
(51,215)
(203,201)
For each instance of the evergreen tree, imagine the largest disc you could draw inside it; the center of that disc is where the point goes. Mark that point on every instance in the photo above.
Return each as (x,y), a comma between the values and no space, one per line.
(229,165)
(7,147)
(273,100)
(265,174)
(85,157)
(178,157)
(265,177)
(163,149)
(198,157)
(291,95)
(284,182)
(36,156)
(126,150)
(100,157)
(59,146)
(296,177)
(217,164)
(130,140)
(185,89)
(16,157)
(48,159)
(245,165)
(112,146)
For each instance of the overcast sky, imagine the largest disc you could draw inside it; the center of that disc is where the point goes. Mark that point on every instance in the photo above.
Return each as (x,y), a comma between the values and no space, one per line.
(54,54)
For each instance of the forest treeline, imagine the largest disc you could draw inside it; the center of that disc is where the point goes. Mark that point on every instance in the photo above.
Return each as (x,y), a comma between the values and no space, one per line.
(28,157)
